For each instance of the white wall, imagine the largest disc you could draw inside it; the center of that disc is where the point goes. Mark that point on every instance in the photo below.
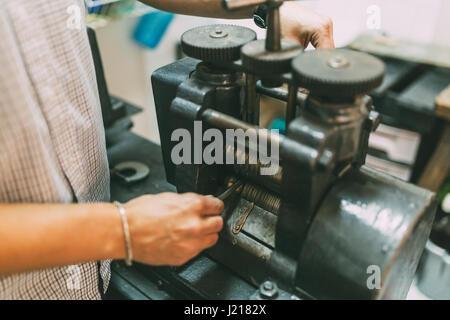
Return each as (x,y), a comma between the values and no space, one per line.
(424,21)
(128,66)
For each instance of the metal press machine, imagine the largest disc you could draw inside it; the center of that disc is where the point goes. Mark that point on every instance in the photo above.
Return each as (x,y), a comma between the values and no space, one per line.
(323,223)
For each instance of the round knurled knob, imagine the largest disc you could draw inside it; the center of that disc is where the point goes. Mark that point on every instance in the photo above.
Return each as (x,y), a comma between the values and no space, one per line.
(338,72)
(258,60)
(216,43)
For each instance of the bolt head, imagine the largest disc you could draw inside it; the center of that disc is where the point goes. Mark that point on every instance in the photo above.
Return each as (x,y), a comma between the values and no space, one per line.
(218,33)
(338,62)
(268,285)
(268,290)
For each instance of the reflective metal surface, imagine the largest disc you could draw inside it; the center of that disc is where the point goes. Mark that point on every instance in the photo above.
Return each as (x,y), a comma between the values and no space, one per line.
(367,219)
(433,275)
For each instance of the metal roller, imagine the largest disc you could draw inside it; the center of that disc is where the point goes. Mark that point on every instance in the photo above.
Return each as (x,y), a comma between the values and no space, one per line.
(251,169)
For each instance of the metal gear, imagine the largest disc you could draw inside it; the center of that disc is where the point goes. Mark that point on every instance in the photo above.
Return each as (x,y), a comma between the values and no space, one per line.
(258,60)
(338,72)
(216,43)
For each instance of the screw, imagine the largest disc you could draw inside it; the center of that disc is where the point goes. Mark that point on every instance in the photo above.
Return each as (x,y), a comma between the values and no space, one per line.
(338,62)
(218,33)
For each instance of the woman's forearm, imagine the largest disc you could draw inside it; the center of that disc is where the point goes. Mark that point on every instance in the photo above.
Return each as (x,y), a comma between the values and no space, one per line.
(203,8)
(298,23)
(37,236)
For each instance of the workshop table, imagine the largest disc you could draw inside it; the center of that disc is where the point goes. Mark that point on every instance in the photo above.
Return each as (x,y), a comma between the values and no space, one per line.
(438,167)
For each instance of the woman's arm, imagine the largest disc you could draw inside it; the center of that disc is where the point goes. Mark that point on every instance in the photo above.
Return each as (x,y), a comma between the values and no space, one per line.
(165,229)
(202,8)
(35,236)
(298,23)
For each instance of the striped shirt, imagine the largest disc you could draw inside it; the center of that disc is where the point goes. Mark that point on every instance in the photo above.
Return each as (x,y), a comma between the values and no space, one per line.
(52,141)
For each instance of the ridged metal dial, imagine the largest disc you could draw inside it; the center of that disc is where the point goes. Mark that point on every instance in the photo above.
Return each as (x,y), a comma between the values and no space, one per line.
(258,60)
(216,43)
(338,72)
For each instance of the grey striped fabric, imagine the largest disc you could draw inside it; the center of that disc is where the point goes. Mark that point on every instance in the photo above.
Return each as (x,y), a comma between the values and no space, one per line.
(52,145)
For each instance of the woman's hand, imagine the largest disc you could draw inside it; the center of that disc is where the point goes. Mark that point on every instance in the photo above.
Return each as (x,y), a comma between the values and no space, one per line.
(304,25)
(170,228)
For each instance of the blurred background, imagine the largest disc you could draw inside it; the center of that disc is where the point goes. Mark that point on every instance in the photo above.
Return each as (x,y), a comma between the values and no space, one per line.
(128,63)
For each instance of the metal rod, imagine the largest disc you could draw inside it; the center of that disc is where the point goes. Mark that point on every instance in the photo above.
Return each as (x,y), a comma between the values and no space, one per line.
(224,121)
(291,104)
(252,114)
(279,93)
(273,39)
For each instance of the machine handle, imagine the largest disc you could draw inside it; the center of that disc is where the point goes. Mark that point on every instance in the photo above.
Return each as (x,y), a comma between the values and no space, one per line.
(273,39)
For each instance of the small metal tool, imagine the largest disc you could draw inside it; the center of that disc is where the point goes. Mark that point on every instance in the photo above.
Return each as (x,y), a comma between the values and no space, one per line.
(230,190)
(240,224)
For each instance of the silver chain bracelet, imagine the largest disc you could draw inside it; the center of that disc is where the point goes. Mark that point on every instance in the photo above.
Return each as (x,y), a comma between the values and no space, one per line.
(126,231)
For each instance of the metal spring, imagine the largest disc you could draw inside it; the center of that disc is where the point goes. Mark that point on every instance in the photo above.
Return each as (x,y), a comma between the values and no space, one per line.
(261,198)
(252,168)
